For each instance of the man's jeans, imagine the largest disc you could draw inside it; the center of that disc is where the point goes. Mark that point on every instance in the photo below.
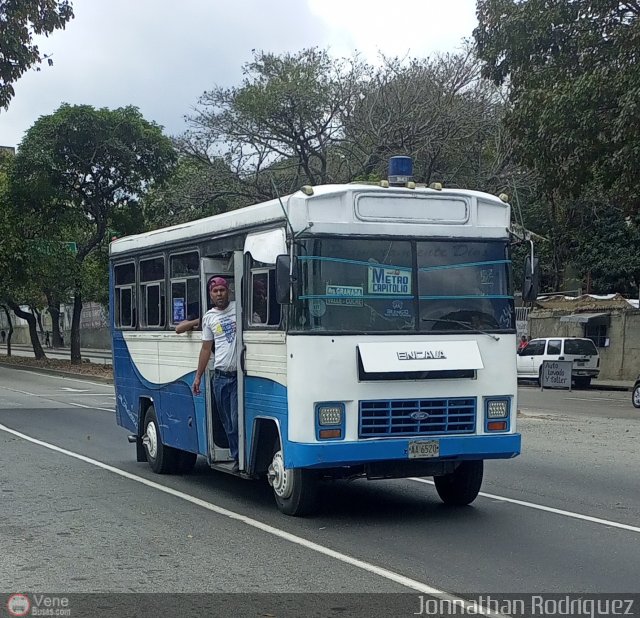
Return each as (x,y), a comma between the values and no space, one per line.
(225,391)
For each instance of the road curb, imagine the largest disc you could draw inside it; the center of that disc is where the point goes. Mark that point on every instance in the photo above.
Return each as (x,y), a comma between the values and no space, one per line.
(610,387)
(58,372)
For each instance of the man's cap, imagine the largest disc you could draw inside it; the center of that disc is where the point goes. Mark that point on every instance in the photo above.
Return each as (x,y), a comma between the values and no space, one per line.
(218,281)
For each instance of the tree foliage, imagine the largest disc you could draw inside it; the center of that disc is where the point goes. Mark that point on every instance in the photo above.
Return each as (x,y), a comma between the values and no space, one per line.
(83,171)
(309,118)
(20,21)
(573,73)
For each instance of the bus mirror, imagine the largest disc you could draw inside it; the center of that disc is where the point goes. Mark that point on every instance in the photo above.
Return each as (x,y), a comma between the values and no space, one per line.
(531,279)
(283,279)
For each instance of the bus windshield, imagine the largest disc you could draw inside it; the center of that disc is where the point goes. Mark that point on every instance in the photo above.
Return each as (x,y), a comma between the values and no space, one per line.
(372,286)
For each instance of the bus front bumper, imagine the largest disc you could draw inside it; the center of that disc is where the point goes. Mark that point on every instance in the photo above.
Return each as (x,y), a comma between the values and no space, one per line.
(452,448)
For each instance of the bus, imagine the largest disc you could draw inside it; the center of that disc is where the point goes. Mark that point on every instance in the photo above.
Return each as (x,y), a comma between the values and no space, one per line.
(375,331)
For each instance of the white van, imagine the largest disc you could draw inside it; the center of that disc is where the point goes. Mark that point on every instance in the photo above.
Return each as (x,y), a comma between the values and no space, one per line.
(583,353)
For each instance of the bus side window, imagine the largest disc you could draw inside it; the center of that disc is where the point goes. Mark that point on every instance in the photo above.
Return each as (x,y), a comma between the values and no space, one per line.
(264,310)
(152,295)
(125,279)
(184,272)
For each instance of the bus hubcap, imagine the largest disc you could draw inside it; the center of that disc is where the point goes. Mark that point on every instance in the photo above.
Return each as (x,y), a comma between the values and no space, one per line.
(150,440)
(279,477)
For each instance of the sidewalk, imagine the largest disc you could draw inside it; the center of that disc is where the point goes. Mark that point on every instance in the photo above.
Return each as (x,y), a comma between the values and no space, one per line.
(65,350)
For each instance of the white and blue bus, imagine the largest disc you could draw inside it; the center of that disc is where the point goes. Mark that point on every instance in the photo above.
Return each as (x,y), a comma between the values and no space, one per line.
(381,344)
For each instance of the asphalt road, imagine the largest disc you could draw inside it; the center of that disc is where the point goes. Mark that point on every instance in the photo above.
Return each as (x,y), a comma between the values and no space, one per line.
(562,517)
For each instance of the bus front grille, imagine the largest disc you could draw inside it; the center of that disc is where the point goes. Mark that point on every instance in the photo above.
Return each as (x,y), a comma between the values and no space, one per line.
(417,417)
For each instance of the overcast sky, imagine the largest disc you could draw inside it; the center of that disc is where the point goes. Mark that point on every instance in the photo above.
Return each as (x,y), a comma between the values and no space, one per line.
(161,55)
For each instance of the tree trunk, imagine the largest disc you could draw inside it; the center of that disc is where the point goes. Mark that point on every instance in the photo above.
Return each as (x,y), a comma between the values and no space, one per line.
(38,319)
(10,333)
(33,332)
(76,357)
(53,306)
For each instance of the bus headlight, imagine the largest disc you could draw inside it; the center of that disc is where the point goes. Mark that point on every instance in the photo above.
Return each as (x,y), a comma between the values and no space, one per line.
(330,414)
(497,408)
(330,420)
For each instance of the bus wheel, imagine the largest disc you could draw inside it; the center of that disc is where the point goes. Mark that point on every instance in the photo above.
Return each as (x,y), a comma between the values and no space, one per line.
(295,489)
(460,487)
(161,458)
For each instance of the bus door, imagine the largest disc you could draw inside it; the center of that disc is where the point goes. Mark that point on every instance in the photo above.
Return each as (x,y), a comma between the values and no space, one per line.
(231,269)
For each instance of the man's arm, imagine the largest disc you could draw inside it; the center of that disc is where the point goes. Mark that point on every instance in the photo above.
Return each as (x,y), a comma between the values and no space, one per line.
(203,359)
(187,325)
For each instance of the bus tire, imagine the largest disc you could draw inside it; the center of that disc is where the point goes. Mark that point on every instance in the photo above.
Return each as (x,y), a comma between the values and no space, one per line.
(460,487)
(295,489)
(161,458)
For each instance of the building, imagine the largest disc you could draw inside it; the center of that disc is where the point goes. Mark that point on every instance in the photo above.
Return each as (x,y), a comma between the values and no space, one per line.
(612,322)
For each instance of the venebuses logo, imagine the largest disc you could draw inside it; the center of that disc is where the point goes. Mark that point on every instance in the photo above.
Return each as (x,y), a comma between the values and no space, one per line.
(18,605)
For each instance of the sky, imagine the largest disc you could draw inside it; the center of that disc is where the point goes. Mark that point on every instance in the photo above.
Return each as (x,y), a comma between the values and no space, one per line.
(161,55)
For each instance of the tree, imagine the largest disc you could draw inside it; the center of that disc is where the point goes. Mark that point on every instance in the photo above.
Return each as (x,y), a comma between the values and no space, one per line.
(605,249)
(194,190)
(437,110)
(21,20)
(283,120)
(94,166)
(573,74)
(33,266)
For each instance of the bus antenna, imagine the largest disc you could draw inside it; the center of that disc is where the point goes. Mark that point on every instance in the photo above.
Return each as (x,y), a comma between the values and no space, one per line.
(284,210)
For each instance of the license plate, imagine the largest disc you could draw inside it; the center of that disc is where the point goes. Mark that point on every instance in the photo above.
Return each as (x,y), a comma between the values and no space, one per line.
(580,363)
(421,449)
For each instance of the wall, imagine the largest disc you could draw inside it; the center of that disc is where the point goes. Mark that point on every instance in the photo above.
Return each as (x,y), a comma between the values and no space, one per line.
(98,338)
(631,356)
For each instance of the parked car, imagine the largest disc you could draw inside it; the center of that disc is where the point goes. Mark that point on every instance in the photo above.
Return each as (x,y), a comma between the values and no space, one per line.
(583,353)
(635,395)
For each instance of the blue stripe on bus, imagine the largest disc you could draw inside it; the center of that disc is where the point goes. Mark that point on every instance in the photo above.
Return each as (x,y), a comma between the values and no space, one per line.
(181,416)
(426,269)
(264,398)
(317,258)
(466,296)
(331,454)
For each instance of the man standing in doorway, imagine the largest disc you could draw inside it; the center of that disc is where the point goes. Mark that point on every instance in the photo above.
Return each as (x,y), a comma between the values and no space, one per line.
(219,337)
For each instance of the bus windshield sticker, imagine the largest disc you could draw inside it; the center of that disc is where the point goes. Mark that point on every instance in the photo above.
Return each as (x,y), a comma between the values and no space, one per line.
(317,307)
(397,310)
(346,295)
(389,281)
(178,309)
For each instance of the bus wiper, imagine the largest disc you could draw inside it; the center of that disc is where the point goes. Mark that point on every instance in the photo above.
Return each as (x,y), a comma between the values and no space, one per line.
(465,324)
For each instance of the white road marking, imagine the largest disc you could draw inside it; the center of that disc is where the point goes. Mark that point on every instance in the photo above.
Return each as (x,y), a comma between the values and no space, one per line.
(63,403)
(549,509)
(254,523)
(79,405)
(73,390)
(59,377)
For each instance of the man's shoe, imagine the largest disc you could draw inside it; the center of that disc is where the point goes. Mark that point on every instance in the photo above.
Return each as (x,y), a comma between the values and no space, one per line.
(235,467)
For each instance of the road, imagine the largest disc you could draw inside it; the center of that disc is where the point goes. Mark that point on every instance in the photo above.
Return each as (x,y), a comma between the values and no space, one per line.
(81,515)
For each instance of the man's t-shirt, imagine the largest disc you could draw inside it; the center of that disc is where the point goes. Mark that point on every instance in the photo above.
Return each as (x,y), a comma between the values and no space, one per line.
(219,326)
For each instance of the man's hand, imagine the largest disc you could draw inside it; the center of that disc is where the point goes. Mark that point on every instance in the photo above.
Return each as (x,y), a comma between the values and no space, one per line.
(196,385)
